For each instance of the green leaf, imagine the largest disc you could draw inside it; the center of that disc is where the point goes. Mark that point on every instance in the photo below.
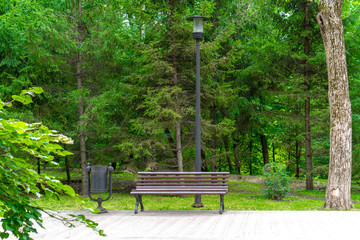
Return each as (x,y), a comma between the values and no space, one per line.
(4,235)
(68,190)
(18,98)
(37,90)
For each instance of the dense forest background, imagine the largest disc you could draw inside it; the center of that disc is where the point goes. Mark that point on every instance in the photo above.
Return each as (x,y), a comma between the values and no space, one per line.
(119,79)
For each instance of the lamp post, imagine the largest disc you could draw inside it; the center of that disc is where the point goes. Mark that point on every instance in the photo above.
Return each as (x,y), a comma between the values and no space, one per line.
(198,34)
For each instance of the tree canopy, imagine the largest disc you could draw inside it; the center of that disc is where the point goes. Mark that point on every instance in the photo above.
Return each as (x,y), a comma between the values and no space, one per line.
(118,77)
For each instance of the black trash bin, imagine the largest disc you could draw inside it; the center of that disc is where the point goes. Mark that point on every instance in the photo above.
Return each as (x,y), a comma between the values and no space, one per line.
(99,176)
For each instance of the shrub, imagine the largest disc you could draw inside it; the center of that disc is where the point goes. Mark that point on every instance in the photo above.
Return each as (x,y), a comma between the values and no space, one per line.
(276,181)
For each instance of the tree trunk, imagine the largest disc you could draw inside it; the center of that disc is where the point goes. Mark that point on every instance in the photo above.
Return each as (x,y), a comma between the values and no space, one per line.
(153,155)
(250,157)
(213,139)
(214,19)
(179,156)
(289,159)
(178,147)
(308,150)
(38,166)
(338,190)
(297,157)
(204,161)
(273,153)
(237,159)
(308,154)
(82,136)
(67,167)
(226,143)
(171,142)
(264,149)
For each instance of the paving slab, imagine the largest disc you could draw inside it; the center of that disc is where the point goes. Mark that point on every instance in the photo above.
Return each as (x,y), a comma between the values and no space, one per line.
(181,225)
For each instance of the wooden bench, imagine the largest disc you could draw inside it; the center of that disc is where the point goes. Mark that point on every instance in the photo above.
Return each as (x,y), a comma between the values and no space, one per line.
(180,183)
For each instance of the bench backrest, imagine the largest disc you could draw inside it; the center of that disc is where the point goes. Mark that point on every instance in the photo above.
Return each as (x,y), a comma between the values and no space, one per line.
(217,180)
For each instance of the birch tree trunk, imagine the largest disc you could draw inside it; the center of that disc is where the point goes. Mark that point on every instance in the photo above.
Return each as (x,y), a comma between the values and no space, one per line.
(339,182)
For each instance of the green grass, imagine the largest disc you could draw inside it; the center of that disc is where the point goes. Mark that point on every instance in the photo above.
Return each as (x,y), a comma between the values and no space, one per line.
(61,175)
(243,185)
(244,194)
(233,201)
(75,174)
(309,193)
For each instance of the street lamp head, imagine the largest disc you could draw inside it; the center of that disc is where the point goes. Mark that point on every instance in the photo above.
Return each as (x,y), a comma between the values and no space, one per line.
(198,32)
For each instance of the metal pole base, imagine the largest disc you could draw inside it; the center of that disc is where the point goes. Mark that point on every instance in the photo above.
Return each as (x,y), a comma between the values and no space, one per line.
(198,203)
(102,209)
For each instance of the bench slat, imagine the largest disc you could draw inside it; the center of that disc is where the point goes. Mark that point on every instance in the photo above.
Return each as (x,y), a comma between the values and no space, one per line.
(180,190)
(182,184)
(181,176)
(178,193)
(183,187)
(184,173)
(181,180)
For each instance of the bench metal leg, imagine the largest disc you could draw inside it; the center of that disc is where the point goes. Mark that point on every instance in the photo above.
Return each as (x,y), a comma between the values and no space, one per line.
(138,200)
(141,204)
(222,207)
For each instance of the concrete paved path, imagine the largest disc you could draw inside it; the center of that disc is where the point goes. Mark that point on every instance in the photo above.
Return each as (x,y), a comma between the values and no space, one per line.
(248,225)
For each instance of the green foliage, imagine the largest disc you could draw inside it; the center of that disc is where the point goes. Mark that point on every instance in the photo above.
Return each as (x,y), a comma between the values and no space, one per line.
(20,143)
(276,181)
(138,71)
